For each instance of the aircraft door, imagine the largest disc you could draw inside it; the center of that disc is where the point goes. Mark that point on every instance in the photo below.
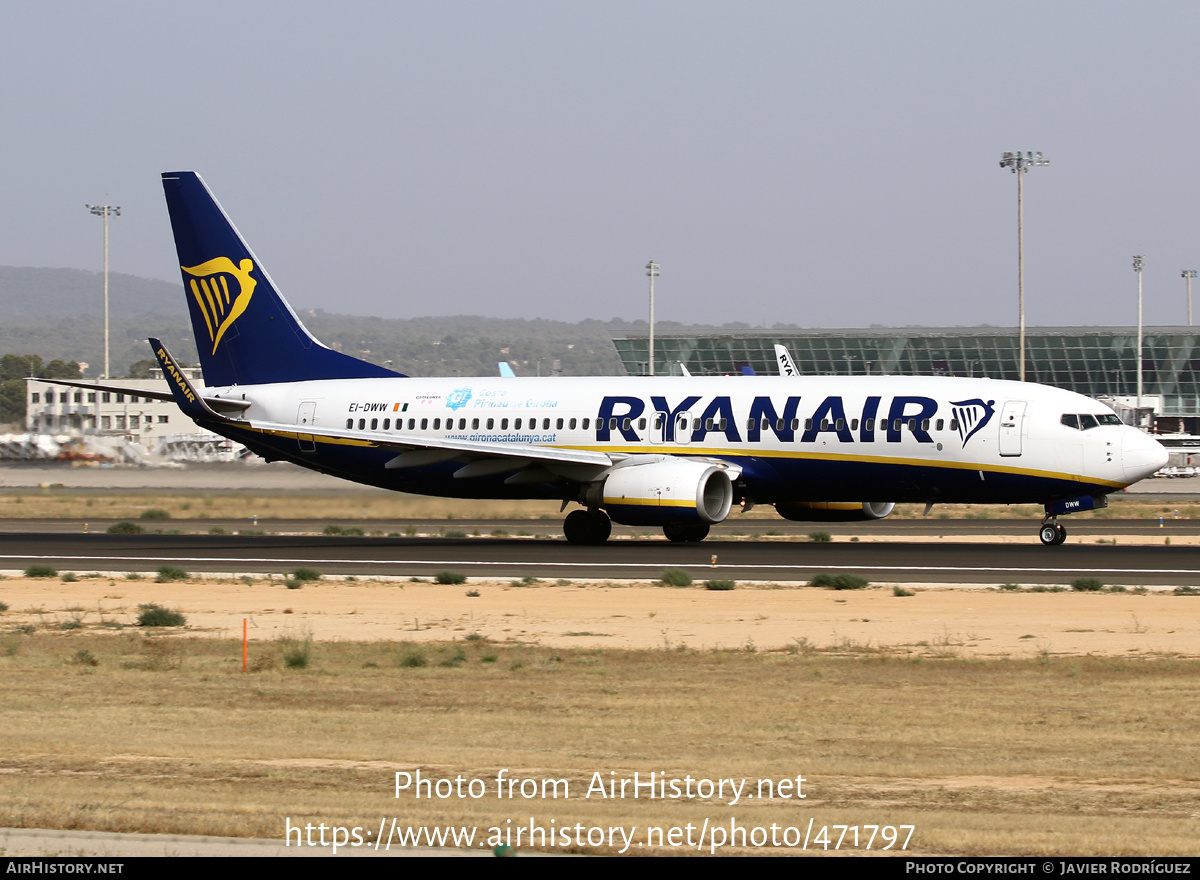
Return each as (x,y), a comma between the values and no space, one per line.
(1012,426)
(683,428)
(306,416)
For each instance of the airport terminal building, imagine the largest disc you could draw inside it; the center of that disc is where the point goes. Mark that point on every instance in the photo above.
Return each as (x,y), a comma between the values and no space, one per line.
(1100,362)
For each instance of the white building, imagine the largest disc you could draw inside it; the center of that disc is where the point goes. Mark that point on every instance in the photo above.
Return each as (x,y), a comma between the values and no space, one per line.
(61,409)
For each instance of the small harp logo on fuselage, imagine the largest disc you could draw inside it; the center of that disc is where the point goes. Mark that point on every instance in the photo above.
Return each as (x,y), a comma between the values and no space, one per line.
(219,304)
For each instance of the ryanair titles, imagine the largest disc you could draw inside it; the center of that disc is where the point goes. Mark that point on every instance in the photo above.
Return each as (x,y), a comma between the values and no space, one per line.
(694,418)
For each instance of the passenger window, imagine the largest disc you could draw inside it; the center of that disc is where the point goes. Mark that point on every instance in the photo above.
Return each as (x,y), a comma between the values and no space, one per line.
(625,425)
(462,424)
(424,424)
(412,424)
(854,424)
(641,424)
(572,424)
(612,424)
(545,424)
(491,424)
(560,424)
(869,424)
(708,424)
(808,424)
(504,424)
(587,422)
(387,423)
(362,424)
(349,424)
(474,424)
(824,424)
(896,425)
(924,424)
(795,424)
(954,424)
(840,425)
(374,424)
(516,424)
(940,422)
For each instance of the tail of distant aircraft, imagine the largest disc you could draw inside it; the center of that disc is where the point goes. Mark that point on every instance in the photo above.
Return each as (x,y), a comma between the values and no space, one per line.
(246,333)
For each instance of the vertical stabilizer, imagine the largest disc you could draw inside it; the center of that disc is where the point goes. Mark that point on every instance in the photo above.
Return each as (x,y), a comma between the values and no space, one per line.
(246,333)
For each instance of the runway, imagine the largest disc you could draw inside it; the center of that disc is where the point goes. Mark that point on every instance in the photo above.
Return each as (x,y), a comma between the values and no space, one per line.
(782,561)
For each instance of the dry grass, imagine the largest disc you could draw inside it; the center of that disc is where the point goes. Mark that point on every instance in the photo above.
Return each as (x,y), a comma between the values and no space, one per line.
(1044,756)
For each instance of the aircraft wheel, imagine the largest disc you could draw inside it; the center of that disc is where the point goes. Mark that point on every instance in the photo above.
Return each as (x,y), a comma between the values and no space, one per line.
(1062,534)
(586,527)
(1049,534)
(688,533)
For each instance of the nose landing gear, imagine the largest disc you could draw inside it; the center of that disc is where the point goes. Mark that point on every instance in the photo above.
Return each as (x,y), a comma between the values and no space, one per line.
(1052,532)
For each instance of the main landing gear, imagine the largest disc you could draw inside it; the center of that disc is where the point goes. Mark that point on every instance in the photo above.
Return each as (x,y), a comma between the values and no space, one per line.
(686,533)
(591,527)
(587,527)
(1052,532)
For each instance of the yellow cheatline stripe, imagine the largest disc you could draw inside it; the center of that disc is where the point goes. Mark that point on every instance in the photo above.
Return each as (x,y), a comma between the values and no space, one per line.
(648,502)
(716,452)
(730,454)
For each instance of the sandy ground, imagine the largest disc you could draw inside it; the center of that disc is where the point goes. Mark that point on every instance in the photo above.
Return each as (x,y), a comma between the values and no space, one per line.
(937,620)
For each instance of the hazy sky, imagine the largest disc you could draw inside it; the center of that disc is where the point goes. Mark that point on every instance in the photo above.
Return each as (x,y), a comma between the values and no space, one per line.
(825,164)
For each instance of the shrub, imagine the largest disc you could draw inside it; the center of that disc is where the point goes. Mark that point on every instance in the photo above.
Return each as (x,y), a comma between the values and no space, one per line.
(68,577)
(154,513)
(40,571)
(306,574)
(839,582)
(297,652)
(472,594)
(3,606)
(720,585)
(125,528)
(675,577)
(332,530)
(455,533)
(900,591)
(1186,591)
(450,577)
(1087,585)
(169,573)
(412,659)
(155,615)
(820,537)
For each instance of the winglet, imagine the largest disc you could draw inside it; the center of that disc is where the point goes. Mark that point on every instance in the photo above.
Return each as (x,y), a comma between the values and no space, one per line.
(186,396)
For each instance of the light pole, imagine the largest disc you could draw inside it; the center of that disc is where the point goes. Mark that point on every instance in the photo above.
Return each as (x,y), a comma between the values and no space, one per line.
(105,211)
(1189,274)
(1138,262)
(652,271)
(1019,162)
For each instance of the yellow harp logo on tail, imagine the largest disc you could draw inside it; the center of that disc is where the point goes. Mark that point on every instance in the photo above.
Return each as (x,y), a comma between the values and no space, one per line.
(210,287)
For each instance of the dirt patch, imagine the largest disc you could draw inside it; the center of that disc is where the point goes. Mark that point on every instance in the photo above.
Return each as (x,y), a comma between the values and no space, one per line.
(938,621)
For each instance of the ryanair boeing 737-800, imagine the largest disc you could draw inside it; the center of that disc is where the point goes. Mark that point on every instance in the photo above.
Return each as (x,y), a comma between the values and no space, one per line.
(676,452)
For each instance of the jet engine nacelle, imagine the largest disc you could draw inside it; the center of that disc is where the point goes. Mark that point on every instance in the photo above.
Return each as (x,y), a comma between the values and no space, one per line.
(664,490)
(834,511)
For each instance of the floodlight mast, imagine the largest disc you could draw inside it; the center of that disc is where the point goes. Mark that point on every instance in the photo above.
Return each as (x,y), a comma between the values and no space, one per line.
(652,271)
(1189,274)
(1018,162)
(105,211)
(1138,262)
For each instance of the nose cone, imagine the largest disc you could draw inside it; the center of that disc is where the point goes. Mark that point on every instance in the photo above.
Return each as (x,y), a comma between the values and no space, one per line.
(1141,455)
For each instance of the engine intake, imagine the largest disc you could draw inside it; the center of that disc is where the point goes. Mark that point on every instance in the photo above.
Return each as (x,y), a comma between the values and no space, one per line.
(666,490)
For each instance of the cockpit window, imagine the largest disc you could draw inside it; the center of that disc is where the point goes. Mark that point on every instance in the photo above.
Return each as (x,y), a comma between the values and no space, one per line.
(1083,421)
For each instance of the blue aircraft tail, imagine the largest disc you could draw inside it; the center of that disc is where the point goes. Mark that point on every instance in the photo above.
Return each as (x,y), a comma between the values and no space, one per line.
(245,331)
